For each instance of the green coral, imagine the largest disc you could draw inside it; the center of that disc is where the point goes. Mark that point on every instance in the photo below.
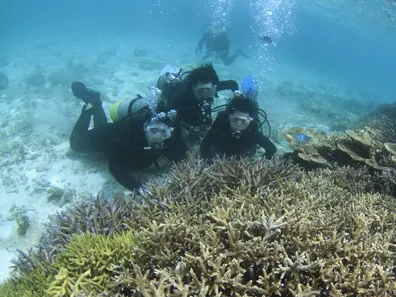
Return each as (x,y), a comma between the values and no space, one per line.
(83,266)
(87,261)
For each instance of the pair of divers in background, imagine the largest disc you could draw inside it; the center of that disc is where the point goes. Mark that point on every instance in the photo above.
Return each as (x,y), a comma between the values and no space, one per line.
(140,134)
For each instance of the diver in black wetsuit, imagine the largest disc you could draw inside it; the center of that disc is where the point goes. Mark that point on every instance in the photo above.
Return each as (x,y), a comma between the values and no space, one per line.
(131,143)
(217,43)
(236,132)
(192,97)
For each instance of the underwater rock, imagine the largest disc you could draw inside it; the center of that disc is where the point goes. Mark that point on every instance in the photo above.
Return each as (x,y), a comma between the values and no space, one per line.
(60,196)
(19,214)
(3,81)
(55,193)
(23,224)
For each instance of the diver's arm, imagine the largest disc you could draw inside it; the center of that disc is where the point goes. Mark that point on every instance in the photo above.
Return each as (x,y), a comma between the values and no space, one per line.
(204,149)
(176,149)
(122,175)
(227,85)
(211,137)
(267,144)
(201,42)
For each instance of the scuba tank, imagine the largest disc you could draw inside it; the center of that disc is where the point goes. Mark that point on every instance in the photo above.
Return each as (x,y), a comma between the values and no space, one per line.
(123,108)
(170,77)
(138,107)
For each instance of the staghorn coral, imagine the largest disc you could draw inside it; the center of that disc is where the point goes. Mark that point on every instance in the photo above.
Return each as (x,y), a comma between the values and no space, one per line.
(86,262)
(100,216)
(247,229)
(198,180)
(311,237)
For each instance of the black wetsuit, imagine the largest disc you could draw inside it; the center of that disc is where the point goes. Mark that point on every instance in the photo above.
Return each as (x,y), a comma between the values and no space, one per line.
(220,140)
(123,143)
(218,44)
(189,109)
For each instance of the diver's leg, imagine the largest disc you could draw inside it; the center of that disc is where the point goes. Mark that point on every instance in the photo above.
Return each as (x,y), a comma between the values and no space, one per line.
(84,140)
(91,97)
(99,116)
(79,141)
(207,55)
(227,60)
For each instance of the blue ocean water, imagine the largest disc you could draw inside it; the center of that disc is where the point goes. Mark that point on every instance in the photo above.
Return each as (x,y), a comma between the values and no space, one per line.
(361,62)
(326,67)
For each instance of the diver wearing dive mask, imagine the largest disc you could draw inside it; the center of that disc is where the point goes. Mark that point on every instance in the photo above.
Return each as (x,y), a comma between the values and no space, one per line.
(236,131)
(239,122)
(157,131)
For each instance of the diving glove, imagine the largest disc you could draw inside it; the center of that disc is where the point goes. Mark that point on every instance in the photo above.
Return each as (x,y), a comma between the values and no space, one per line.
(89,96)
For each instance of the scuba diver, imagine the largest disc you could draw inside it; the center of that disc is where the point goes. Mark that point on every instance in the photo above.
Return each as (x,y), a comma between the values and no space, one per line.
(135,141)
(192,96)
(236,131)
(217,43)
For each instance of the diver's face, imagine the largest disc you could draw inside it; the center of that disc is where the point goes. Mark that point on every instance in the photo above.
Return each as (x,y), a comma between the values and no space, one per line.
(203,91)
(157,133)
(239,121)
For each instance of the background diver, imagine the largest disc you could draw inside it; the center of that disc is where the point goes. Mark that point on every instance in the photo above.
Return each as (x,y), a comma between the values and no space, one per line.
(217,44)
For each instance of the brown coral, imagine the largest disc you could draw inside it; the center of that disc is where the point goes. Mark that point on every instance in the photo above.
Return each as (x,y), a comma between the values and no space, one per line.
(259,228)
(353,148)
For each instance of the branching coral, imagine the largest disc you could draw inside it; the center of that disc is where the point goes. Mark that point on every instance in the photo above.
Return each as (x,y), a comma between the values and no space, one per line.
(86,263)
(241,229)
(99,216)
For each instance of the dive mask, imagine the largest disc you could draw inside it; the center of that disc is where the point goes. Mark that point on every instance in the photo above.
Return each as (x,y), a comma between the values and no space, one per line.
(204,91)
(156,131)
(239,121)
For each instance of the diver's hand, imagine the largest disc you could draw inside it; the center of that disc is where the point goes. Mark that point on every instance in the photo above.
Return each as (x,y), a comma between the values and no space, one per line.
(189,157)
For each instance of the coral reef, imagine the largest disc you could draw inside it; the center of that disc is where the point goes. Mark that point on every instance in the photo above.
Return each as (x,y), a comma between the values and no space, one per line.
(99,216)
(231,228)
(362,147)
(383,119)
(87,261)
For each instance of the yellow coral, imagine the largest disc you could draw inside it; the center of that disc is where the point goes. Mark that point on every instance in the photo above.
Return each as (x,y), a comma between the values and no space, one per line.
(87,261)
